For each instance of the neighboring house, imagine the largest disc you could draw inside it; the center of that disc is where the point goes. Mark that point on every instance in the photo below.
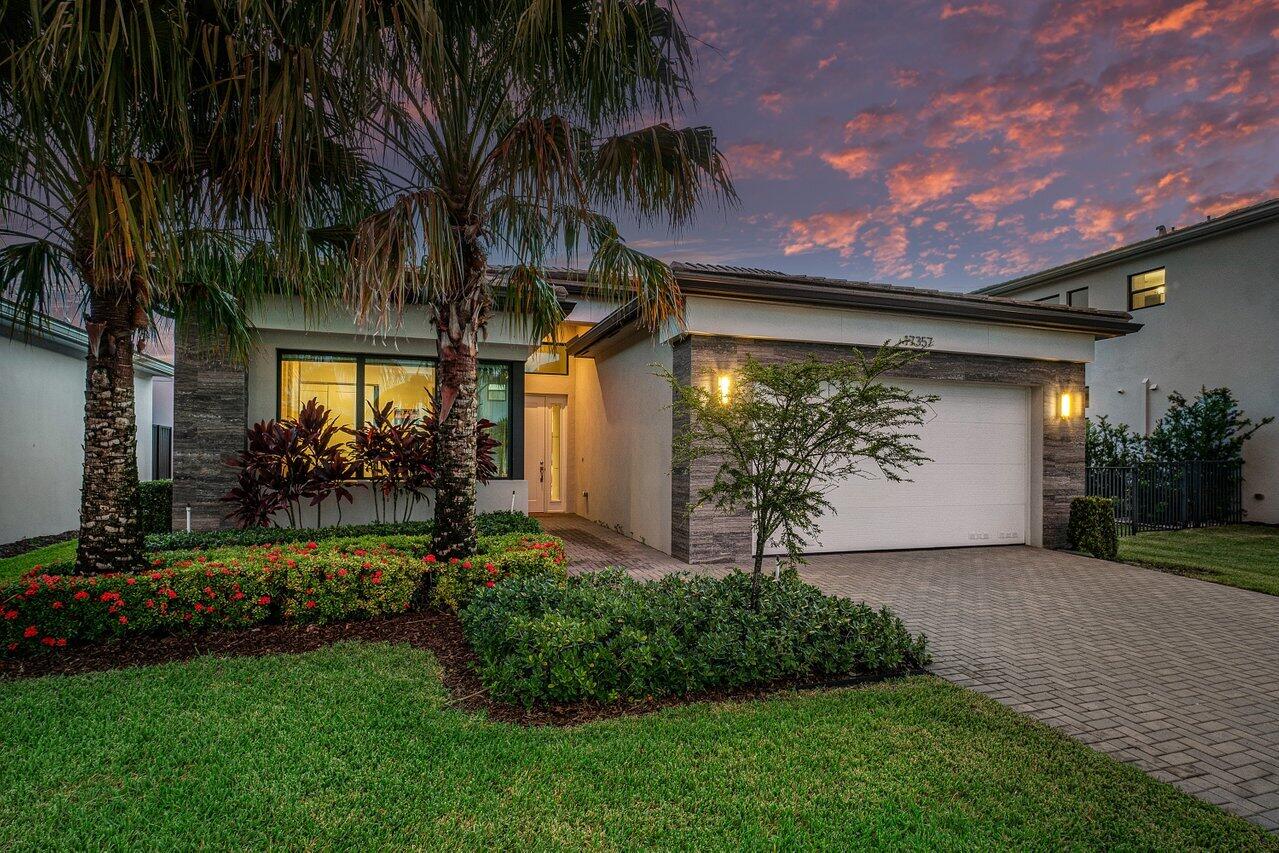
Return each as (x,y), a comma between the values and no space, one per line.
(587,426)
(42,376)
(1207,297)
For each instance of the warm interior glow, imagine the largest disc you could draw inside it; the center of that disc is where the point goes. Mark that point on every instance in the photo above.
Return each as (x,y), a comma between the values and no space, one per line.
(1067,404)
(725,385)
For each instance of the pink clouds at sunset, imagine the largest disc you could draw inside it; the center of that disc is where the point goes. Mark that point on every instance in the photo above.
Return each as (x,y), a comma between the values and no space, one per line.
(967,140)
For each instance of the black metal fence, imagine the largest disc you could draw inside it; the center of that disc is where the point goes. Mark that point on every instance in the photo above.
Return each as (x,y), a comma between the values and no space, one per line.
(1171,495)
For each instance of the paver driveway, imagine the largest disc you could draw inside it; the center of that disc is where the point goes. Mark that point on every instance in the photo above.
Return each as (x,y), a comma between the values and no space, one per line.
(1177,676)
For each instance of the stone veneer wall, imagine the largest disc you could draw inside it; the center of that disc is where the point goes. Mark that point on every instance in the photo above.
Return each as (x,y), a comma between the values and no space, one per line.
(210,407)
(708,536)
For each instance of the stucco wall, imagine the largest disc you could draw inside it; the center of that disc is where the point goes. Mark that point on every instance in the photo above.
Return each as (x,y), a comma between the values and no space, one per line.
(622,443)
(42,424)
(1219,326)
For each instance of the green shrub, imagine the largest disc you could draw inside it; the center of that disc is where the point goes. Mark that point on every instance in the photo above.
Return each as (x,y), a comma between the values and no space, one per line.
(1092,527)
(156,501)
(488,524)
(222,588)
(607,636)
(498,558)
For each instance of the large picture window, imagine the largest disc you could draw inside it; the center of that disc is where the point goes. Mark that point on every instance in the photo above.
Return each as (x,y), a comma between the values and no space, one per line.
(339,381)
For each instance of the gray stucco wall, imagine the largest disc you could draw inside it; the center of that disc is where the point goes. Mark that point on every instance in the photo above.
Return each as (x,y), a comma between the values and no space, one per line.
(1218,327)
(706,535)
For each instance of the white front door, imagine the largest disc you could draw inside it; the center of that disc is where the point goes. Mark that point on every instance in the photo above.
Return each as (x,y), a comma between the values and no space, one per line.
(545,448)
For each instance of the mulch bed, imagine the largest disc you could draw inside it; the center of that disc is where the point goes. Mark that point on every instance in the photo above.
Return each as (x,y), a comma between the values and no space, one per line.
(436,631)
(22,546)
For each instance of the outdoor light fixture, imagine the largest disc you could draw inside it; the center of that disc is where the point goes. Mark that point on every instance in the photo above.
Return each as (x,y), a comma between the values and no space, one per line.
(1067,405)
(725,385)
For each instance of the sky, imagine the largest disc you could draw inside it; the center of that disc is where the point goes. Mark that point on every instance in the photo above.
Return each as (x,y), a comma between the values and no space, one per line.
(955,144)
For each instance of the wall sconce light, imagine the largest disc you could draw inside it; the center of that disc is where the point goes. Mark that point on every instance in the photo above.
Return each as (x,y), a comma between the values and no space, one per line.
(725,383)
(1068,404)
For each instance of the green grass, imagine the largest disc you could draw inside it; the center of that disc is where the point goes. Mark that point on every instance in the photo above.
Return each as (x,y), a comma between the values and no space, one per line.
(1243,555)
(355,747)
(12,568)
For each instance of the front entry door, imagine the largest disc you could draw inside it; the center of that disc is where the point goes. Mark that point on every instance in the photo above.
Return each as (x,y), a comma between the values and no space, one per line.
(545,446)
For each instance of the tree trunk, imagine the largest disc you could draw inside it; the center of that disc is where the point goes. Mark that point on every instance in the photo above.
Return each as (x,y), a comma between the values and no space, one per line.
(110,537)
(757,570)
(458,322)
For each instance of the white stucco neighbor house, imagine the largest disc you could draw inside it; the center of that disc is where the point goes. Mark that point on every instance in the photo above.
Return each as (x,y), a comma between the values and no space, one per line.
(42,375)
(1207,297)
(586,426)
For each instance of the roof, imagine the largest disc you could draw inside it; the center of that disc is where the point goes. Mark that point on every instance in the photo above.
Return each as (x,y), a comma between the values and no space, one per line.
(1243,217)
(53,334)
(727,282)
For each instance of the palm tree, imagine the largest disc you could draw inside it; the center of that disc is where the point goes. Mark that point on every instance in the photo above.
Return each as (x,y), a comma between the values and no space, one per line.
(521,128)
(168,158)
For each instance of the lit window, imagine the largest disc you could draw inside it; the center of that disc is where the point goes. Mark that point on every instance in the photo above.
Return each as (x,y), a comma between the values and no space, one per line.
(552,356)
(548,358)
(1077,298)
(1146,289)
(329,379)
(407,383)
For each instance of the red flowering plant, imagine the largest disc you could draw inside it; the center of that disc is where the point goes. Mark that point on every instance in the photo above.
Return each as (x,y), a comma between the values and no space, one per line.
(497,558)
(222,588)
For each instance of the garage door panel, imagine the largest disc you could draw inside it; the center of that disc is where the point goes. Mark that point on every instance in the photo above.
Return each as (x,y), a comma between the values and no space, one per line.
(934,484)
(884,528)
(974,492)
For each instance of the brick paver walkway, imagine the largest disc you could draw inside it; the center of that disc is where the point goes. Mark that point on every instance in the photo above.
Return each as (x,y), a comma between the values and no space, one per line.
(1177,676)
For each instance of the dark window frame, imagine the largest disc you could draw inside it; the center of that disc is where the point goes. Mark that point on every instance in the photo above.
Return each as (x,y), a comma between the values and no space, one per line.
(1071,293)
(514,398)
(1131,293)
(1054,298)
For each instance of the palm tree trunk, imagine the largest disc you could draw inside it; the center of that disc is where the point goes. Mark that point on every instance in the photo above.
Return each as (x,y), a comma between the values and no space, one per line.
(458,322)
(110,536)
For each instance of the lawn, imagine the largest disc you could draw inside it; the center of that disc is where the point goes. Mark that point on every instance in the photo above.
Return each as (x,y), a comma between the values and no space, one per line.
(1242,555)
(355,746)
(12,568)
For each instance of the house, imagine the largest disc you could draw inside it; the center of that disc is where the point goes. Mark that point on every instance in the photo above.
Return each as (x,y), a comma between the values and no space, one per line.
(1207,297)
(42,376)
(587,427)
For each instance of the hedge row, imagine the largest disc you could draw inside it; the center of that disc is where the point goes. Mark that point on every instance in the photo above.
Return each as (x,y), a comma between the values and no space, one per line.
(487,523)
(155,511)
(226,588)
(1091,528)
(607,636)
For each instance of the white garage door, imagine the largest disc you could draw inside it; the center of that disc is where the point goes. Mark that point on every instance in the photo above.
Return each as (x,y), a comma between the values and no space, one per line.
(974,491)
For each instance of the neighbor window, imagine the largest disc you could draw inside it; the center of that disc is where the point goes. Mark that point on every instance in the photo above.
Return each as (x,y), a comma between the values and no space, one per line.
(339,381)
(1077,298)
(1146,289)
(1055,298)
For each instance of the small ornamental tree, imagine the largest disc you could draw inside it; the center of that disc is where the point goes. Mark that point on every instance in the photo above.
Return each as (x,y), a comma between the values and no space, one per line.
(784,435)
(1213,426)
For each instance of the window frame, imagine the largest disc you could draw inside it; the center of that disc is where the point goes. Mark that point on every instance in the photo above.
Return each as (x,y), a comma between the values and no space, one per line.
(1132,293)
(1069,293)
(514,397)
(1054,299)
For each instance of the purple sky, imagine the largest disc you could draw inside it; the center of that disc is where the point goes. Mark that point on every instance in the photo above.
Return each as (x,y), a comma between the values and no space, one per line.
(956,144)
